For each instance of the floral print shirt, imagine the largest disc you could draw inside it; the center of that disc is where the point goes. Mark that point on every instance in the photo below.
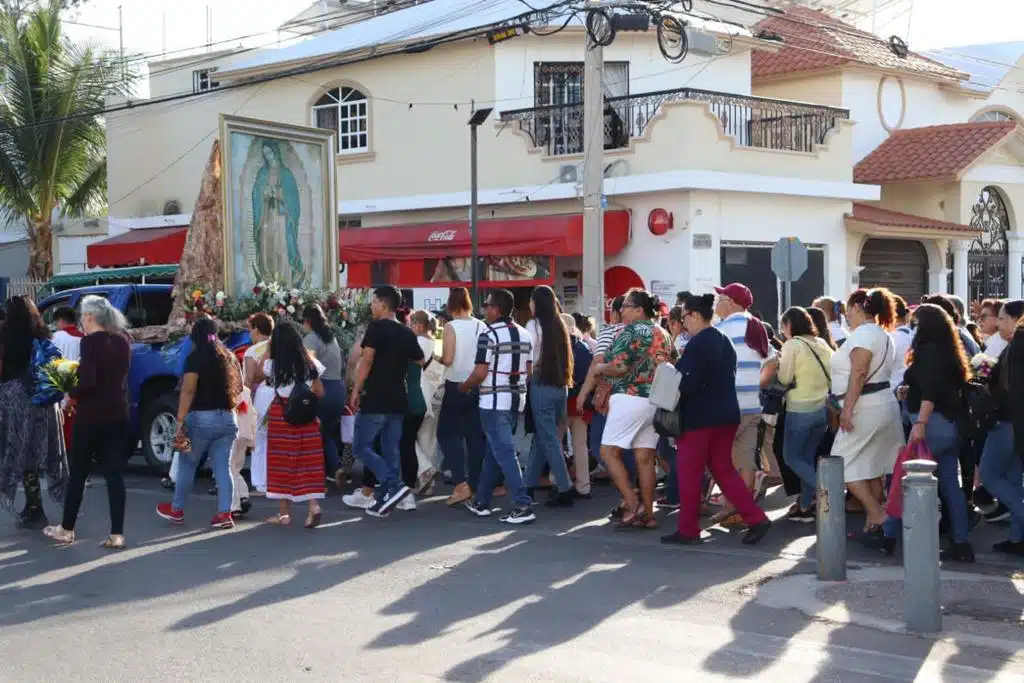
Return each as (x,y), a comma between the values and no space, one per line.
(641,347)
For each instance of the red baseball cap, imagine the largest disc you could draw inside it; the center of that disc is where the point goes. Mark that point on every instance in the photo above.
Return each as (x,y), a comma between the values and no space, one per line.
(738,293)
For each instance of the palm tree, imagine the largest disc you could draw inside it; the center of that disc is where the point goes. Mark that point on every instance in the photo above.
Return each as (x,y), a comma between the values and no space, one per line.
(52,139)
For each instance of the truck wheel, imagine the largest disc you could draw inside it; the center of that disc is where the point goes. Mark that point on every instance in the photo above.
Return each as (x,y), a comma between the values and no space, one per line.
(159,423)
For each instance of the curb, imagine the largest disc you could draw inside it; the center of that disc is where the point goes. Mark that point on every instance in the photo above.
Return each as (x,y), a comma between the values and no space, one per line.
(800,591)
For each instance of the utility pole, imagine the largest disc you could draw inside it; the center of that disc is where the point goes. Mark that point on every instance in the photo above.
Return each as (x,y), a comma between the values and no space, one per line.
(120,40)
(593,181)
(475,121)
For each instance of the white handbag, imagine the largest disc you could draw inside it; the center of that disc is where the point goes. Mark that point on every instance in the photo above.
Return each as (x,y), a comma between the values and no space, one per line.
(665,387)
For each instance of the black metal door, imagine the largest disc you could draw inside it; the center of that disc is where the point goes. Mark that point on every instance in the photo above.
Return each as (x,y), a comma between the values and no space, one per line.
(988,260)
(752,266)
(899,265)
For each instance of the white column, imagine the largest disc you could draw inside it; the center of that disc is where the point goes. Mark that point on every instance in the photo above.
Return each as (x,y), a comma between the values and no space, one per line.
(592,299)
(960,287)
(1014,274)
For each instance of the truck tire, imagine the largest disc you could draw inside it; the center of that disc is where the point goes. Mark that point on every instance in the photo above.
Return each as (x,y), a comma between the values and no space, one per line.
(157,427)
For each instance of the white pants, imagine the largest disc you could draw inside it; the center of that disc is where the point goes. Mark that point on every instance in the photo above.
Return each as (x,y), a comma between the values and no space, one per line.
(426,445)
(240,489)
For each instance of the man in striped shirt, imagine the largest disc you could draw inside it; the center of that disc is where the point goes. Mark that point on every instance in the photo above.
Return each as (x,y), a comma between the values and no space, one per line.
(503,363)
(748,335)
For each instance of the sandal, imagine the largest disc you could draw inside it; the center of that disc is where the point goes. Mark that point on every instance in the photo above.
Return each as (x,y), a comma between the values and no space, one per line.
(629,517)
(867,535)
(644,522)
(59,534)
(313,521)
(114,542)
(280,520)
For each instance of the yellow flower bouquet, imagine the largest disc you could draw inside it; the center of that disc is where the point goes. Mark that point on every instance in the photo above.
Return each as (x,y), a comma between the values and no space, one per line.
(61,374)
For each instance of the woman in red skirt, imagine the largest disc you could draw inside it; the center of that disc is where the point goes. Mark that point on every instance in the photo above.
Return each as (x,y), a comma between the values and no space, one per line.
(295,455)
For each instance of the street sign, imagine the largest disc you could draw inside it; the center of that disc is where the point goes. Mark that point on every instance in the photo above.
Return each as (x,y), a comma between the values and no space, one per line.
(789,259)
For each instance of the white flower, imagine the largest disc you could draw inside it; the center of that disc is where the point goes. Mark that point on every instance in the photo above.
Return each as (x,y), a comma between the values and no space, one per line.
(291,309)
(295,293)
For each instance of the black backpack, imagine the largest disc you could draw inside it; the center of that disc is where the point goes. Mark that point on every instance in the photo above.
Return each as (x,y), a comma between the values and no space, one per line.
(979,411)
(302,405)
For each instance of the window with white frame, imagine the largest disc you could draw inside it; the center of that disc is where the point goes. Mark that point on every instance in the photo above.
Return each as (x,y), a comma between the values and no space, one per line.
(994,115)
(204,79)
(345,111)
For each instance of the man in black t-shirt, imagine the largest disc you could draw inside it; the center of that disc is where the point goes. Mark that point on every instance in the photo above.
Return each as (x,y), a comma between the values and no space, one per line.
(380,398)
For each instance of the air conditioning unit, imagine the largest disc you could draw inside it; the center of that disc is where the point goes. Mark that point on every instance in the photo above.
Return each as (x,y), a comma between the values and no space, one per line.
(172,207)
(148,207)
(706,44)
(568,173)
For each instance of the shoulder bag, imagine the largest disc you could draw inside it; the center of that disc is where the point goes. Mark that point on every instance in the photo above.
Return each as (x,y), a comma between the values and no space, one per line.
(832,407)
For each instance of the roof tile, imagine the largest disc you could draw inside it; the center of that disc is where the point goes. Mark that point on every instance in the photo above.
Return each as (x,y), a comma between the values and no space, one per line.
(875,215)
(932,152)
(814,41)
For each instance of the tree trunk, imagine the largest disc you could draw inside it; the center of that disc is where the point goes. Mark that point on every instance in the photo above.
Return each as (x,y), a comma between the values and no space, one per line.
(40,249)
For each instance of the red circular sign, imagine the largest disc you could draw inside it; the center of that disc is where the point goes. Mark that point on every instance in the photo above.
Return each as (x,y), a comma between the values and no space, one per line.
(659,222)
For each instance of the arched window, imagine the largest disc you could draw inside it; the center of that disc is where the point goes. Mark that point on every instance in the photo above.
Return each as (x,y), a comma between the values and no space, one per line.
(994,115)
(988,260)
(345,111)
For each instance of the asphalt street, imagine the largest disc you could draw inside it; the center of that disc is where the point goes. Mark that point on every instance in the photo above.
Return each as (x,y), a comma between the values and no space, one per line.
(432,595)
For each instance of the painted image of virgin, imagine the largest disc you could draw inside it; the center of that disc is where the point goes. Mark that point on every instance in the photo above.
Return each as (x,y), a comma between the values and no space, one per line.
(275,211)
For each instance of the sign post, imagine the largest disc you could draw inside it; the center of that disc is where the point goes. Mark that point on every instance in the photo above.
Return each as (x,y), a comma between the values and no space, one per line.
(789,263)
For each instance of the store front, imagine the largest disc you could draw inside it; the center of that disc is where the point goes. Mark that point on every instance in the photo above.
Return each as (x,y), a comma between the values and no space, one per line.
(513,253)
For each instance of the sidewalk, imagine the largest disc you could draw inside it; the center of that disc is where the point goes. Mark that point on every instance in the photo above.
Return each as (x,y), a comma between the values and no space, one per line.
(982,610)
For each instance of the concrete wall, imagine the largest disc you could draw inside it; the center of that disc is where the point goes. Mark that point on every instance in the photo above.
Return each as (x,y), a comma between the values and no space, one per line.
(14,259)
(825,89)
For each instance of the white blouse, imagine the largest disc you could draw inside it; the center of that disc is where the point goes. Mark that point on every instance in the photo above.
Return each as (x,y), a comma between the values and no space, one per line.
(883,361)
(285,390)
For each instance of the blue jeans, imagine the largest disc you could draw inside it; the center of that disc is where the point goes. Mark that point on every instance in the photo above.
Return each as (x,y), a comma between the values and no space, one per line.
(597,423)
(212,433)
(460,435)
(667,452)
(548,406)
(1001,472)
(385,466)
(943,440)
(331,405)
(801,439)
(498,426)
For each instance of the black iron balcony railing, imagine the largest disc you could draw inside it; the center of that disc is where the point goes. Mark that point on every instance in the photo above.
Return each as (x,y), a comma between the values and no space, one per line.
(750,121)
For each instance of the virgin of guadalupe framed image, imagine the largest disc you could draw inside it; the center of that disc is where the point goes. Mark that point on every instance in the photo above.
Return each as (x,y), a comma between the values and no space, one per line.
(280,216)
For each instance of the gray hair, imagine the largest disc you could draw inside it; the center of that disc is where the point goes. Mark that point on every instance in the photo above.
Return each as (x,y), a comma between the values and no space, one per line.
(106,316)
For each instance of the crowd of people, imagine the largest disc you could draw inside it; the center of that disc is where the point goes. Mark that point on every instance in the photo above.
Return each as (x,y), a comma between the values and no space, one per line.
(869,379)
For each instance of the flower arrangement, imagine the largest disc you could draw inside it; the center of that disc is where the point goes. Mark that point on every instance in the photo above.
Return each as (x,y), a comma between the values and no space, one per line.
(61,375)
(981,366)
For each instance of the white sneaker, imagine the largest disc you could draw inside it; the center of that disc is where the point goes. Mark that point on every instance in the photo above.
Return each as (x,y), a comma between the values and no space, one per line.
(358,500)
(407,503)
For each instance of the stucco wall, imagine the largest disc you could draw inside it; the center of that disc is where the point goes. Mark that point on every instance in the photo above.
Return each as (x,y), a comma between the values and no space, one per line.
(826,89)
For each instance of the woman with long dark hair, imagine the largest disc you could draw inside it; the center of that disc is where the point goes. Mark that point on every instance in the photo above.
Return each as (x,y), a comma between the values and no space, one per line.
(552,377)
(207,426)
(803,367)
(1001,459)
(711,415)
(320,340)
(835,313)
(870,431)
(101,417)
(294,452)
(30,438)
(937,371)
(821,330)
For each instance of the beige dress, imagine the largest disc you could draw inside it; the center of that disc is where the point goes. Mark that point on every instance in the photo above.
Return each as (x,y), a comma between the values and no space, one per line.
(869,451)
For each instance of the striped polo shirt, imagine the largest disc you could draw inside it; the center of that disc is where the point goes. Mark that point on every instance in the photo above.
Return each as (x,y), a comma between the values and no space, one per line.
(748,362)
(506,348)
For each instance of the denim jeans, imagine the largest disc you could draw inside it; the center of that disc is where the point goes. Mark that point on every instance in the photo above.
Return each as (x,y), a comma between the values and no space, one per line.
(667,452)
(803,435)
(548,406)
(597,423)
(212,433)
(331,405)
(460,435)
(943,440)
(385,465)
(498,426)
(1001,473)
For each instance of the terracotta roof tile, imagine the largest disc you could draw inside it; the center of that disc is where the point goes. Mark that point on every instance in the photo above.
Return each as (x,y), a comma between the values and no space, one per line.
(814,41)
(875,215)
(930,153)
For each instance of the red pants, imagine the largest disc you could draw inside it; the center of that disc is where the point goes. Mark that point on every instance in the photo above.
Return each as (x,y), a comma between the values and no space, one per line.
(710,448)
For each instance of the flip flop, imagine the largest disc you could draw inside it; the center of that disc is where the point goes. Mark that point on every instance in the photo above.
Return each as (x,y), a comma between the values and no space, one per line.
(314,521)
(114,543)
(280,520)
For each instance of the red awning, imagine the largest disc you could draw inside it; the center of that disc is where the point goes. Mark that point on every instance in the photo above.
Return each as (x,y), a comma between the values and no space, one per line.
(151,246)
(560,235)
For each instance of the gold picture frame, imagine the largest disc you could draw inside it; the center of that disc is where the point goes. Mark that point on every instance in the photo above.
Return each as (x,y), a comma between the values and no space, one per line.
(280,213)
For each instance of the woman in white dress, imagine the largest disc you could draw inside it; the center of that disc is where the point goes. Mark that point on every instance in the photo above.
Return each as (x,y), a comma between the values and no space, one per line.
(261,326)
(870,430)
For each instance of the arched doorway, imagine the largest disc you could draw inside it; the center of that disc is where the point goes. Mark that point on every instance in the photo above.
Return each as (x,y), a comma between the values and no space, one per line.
(988,260)
(899,265)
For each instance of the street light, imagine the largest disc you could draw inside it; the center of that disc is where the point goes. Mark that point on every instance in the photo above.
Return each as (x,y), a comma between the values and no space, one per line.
(478,117)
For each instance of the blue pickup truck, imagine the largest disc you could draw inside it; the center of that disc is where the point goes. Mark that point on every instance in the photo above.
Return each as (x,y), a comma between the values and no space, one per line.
(155,369)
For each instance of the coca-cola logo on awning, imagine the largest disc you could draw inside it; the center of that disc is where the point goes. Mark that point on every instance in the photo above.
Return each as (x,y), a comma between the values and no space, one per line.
(441,236)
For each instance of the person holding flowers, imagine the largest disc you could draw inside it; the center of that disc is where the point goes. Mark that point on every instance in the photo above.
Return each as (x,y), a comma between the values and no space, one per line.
(101,417)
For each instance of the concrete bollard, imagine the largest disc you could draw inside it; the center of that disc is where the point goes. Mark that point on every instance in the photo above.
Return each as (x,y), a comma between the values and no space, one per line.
(831,545)
(921,588)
